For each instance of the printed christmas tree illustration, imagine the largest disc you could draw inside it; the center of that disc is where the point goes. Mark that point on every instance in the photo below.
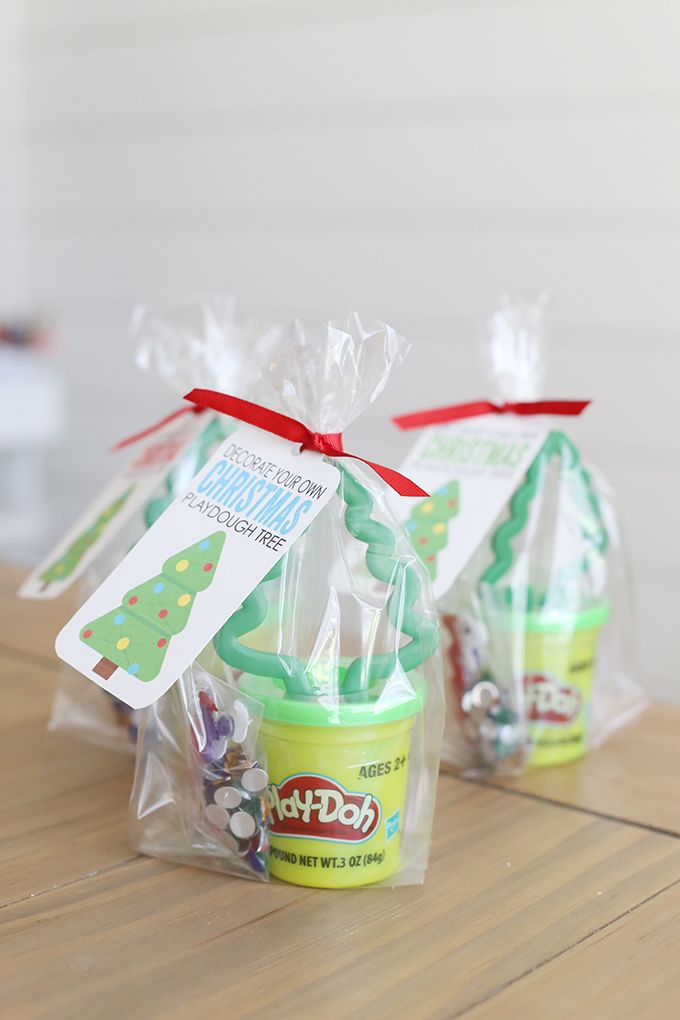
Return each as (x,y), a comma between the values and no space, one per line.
(135,635)
(427,526)
(67,563)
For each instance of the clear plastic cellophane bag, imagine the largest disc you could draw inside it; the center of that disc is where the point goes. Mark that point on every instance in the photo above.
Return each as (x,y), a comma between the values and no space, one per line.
(334,665)
(537,632)
(202,342)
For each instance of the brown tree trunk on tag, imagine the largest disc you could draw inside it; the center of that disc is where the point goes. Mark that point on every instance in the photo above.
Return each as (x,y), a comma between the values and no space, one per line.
(105,669)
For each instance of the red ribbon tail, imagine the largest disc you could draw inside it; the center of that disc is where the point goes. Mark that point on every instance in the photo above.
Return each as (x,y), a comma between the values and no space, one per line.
(253,414)
(568,408)
(402,485)
(458,412)
(443,415)
(138,436)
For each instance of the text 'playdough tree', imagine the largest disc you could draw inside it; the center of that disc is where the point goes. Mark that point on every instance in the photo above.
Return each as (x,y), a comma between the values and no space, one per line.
(135,636)
(427,526)
(67,563)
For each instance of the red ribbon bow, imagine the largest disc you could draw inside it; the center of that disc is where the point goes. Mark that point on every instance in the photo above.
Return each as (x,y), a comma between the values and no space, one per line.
(456,412)
(328,443)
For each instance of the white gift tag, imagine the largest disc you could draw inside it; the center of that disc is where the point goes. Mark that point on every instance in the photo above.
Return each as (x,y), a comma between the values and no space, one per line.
(114,506)
(192,570)
(471,469)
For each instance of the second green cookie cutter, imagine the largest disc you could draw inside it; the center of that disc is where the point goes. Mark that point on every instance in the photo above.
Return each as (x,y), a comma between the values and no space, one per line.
(557,444)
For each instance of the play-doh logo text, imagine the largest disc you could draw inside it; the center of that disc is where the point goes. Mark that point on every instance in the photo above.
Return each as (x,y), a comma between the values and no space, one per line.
(548,701)
(316,807)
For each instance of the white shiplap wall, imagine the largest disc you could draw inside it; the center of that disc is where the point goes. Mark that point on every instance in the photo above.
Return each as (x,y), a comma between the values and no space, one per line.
(414,160)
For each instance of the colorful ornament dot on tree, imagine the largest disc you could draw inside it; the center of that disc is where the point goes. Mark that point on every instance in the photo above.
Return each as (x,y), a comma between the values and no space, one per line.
(161,610)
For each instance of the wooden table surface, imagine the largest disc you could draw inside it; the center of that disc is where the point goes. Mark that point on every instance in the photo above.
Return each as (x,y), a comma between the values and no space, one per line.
(556,895)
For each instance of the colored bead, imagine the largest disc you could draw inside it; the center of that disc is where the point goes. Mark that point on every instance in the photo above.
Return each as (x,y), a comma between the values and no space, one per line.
(218,748)
(233,785)
(256,862)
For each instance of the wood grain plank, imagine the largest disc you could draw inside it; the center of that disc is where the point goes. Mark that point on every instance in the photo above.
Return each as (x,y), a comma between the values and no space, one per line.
(632,777)
(30,627)
(27,688)
(92,930)
(593,978)
(512,882)
(63,804)
(62,817)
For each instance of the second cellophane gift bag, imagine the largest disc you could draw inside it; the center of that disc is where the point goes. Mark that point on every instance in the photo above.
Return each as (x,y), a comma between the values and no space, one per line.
(522,541)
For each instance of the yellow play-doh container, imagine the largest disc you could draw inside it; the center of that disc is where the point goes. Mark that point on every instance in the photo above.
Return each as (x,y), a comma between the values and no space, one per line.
(338,775)
(559,662)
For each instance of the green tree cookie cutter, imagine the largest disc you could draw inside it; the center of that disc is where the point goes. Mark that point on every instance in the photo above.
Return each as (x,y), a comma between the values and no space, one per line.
(593,527)
(363,671)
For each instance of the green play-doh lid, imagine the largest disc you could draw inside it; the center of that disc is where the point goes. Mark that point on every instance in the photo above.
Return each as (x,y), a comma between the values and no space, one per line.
(398,700)
(551,621)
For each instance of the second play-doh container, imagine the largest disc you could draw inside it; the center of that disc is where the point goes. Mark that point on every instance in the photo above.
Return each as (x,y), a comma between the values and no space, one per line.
(559,663)
(338,775)
(557,655)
